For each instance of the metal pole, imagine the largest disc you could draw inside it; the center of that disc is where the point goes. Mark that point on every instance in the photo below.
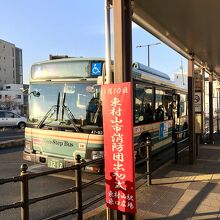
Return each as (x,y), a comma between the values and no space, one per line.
(107,42)
(148,55)
(24,193)
(78,176)
(125,216)
(148,51)
(148,159)
(217,110)
(109,212)
(176,147)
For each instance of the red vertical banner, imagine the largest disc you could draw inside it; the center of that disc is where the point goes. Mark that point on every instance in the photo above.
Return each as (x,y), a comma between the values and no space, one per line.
(119,148)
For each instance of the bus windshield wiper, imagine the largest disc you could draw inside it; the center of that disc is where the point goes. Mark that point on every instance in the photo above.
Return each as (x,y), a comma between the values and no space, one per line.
(65,109)
(97,112)
(54,109)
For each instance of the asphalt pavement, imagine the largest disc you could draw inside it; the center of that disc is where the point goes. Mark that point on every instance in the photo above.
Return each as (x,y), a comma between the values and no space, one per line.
(11,137)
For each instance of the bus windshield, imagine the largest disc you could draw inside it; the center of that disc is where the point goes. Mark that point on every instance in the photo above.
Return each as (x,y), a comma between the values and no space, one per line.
(61,100)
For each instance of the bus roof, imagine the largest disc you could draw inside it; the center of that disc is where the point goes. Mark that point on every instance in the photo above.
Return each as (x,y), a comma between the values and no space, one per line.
(150,70)
(155,77)
(69,59)
(139,71)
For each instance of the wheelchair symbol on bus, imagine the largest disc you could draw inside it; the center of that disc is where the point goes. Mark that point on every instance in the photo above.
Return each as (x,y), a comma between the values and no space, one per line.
(97,69)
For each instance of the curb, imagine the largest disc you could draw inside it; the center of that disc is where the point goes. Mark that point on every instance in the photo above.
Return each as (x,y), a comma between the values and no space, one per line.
(11,143)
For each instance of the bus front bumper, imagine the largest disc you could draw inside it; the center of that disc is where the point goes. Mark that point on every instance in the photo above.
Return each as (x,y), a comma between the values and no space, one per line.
(43,159)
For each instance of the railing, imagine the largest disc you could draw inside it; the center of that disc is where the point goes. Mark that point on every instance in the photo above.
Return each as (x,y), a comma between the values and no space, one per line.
(181,142)
(148,161)
(77,188)
(25,176)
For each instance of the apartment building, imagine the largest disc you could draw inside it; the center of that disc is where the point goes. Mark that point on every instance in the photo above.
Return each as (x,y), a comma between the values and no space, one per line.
(11,69)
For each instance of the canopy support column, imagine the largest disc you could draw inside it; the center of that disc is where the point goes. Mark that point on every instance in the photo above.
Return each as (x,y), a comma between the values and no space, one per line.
(191,108)
(122,40)
(211,137)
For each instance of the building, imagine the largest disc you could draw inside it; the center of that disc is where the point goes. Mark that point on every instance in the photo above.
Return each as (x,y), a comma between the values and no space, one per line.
(11,68)
(11,77)
(11,98)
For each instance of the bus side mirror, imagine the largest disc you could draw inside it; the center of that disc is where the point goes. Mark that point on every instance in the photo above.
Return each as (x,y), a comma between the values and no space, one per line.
(35,93)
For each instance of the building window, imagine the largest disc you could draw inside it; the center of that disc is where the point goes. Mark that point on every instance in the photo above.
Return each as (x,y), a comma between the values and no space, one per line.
(0,96)
(18,97)
(8,87)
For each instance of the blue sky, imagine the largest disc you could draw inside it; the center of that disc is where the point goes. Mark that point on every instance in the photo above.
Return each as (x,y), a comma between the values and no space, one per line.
(74,28)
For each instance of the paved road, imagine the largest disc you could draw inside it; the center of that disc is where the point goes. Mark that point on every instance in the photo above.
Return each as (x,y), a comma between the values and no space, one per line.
(10,161)
(11,134)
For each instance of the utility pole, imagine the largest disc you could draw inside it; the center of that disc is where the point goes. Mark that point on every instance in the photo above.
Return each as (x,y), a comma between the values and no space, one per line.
(148,51)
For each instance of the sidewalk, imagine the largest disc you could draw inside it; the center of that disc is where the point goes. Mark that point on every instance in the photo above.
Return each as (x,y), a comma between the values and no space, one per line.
(183,191)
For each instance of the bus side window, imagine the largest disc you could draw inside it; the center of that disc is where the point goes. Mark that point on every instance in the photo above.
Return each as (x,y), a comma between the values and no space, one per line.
(160,113)
(91,110)
(170,112)
(143,104)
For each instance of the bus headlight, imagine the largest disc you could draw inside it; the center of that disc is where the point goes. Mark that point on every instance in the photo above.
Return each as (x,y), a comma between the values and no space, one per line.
(97,154)
(28,147)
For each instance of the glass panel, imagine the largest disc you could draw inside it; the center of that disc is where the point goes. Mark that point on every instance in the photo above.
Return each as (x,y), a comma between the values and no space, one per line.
(10,115)
(2,114)
(163,105)
(183,103)
(74,101)
(143,104)
(159,107)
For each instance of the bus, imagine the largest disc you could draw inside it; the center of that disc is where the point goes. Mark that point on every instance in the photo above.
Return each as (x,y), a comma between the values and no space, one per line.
(65,111)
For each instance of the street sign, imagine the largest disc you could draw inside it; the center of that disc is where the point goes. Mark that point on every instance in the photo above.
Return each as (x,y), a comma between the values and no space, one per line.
(197,100)
(118,147)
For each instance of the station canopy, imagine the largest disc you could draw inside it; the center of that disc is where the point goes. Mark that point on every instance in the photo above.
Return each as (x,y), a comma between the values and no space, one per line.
(191,27)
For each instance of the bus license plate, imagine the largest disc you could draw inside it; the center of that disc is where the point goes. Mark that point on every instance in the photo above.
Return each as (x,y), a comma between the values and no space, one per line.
(55,163)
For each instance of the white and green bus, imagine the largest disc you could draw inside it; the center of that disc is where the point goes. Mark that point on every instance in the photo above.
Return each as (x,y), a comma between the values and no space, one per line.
(65,111)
